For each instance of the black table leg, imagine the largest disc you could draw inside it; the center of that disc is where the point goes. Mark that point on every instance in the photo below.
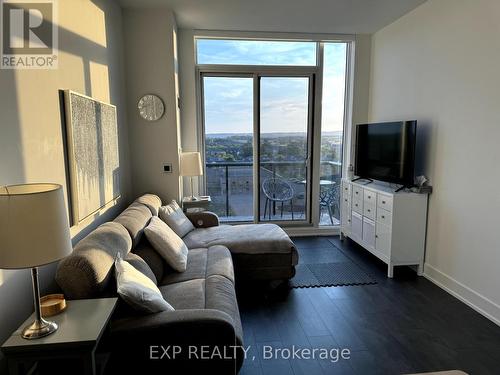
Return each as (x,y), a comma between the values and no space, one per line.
(89,363)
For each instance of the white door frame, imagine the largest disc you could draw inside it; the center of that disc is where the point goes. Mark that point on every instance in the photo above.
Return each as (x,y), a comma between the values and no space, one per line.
(312,225)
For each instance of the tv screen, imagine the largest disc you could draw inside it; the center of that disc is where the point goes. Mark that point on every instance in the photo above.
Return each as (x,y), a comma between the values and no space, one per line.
(386,151)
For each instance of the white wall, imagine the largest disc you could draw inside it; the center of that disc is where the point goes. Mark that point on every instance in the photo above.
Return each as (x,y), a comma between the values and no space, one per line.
(439,64)
(31,139)
(151,67)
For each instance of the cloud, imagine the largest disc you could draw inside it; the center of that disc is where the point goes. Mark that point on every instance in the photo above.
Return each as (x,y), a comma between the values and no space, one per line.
(228,101)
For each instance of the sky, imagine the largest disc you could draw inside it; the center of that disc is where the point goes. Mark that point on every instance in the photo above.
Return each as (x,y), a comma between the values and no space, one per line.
(228,101)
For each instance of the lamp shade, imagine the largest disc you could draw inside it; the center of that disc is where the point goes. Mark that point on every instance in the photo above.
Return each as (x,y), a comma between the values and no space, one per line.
(34,227)
(191,164)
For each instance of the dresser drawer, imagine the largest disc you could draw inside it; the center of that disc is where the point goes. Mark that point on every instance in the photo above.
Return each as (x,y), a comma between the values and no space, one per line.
(385,202)
(357,205)
(370,196)
(357,192)
(384,216)
(369,210)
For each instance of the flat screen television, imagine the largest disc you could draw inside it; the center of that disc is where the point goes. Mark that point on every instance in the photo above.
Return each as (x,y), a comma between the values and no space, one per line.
(386,151)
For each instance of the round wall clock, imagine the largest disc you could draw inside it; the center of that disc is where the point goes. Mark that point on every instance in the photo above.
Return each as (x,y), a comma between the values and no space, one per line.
(151,107)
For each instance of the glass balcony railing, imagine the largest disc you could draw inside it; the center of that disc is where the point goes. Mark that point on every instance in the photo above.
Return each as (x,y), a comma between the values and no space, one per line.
(230,185)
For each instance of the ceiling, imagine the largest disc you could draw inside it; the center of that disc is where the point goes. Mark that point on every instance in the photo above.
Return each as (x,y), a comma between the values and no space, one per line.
(305,16)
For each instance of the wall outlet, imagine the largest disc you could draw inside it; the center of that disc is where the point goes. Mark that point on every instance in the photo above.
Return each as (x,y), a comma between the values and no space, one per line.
(167,167)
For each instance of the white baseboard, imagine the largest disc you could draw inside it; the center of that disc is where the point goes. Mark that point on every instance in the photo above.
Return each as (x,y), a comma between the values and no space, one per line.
(327,231)
(470,297)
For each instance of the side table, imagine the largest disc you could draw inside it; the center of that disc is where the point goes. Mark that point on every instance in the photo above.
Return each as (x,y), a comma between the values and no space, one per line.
(81,326)
(201,204)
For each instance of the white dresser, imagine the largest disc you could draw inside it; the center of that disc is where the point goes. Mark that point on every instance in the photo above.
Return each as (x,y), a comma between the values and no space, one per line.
(390,225)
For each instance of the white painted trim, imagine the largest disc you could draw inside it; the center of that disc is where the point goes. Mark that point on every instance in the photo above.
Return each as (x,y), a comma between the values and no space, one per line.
(315,74)
(272,35)
(470,297)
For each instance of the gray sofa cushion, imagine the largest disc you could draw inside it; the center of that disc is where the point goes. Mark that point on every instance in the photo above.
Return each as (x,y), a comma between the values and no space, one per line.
(140,265)
(151,201)
(245,239)
(154,260)
(215,292)
(189,294)
(88,271)
(220,295)
(201,263)
(135,218)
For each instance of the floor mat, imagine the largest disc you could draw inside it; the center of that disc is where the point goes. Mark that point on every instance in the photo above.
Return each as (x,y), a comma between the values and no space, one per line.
(330,274)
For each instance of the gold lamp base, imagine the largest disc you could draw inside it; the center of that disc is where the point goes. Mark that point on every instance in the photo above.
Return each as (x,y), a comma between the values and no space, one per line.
(39,328)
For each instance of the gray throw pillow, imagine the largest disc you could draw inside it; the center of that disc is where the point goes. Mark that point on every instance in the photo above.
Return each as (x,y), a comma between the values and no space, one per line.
(138,290)
(176,219)
(167,243)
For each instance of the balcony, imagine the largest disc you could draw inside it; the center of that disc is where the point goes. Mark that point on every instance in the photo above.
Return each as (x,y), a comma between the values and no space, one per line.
(230,184)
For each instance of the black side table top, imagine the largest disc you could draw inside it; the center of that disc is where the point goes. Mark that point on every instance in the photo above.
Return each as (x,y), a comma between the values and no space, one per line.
(80,325)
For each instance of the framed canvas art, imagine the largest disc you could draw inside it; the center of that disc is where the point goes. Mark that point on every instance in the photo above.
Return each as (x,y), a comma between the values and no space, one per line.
(93,154)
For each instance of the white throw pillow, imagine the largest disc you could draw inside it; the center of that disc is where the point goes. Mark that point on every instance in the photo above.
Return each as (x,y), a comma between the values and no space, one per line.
(138,290)
(176,219)
(167,243)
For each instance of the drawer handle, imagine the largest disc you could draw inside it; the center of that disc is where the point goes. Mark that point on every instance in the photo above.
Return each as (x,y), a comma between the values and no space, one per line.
(383,202)
(376,236)
(369,210)
(348,221)
(356,205)
(357,192)
(369,197)
(383,217)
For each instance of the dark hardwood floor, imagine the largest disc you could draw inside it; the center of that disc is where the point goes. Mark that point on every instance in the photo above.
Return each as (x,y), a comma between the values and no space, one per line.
(398,326)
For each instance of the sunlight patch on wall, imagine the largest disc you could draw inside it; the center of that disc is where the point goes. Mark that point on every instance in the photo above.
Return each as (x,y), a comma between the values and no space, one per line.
(85,19)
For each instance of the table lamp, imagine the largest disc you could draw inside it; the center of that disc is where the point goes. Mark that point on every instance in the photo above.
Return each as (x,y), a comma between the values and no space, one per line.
(191,167)
(34,231)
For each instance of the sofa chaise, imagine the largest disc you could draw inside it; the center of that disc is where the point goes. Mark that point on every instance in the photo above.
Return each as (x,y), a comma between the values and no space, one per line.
(206,310)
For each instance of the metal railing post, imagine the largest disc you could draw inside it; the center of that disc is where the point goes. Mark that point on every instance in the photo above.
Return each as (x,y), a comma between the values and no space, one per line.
(227,190)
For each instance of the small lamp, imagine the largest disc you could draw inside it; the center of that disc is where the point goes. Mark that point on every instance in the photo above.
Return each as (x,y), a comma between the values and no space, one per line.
(191,167)
(34,231)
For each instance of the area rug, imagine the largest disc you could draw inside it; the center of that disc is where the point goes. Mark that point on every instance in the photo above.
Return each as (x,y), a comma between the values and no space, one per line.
(329,274)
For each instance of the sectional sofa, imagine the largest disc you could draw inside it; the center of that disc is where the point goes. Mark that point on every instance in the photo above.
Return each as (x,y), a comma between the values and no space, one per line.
(206,309)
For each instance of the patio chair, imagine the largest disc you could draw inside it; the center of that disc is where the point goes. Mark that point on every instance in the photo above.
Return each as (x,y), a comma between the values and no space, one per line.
(329,199)
(277,190)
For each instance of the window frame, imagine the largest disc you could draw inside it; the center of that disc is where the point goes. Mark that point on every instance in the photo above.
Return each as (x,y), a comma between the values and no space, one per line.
(312,226)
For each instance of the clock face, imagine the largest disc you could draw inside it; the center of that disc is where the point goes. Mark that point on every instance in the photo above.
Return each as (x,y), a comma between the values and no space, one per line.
(151,107)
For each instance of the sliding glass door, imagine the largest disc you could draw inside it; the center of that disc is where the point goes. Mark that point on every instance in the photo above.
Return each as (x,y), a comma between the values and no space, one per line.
(284,128)
(228,106)
(257,146)
(271,125)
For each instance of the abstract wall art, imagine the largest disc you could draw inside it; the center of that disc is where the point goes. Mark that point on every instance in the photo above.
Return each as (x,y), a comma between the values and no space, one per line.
(93,154)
